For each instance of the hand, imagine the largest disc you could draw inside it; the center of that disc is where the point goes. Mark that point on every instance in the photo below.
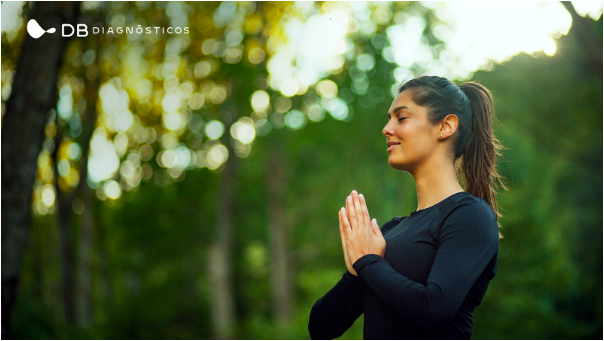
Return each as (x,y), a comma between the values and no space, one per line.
(342,216)
(362,236)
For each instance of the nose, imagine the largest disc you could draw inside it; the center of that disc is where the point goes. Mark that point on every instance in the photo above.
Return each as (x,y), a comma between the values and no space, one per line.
(387,131)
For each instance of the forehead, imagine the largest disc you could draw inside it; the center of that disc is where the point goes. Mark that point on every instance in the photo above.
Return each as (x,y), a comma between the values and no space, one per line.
(403,99)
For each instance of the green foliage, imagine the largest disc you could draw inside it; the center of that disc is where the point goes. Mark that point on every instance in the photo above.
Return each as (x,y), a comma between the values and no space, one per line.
(550,259)
(149,264)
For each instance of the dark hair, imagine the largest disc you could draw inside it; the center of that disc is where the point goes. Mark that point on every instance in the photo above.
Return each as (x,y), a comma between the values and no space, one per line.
(474,141)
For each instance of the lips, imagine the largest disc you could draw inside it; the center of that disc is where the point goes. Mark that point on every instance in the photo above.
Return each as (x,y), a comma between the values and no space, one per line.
(392,145)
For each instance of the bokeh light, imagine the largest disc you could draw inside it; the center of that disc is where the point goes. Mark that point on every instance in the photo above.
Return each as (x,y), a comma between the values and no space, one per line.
(260,100)
(112,189)
(327,88)
(103,161)
(243,130)
(295,119)
(214,129)
(217,155)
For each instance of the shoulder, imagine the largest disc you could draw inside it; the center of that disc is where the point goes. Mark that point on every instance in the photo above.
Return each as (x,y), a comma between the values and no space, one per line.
(471,213)
(467,204)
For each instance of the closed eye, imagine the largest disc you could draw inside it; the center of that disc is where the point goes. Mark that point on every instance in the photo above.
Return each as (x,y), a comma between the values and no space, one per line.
(401,119)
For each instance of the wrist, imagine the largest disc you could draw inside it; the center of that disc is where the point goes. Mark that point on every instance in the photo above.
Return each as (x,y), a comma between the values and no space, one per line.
(365,260)
(351,279)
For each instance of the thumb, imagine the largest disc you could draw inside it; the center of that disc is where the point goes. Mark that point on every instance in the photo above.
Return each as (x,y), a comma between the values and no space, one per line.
(376,228)
(345,223)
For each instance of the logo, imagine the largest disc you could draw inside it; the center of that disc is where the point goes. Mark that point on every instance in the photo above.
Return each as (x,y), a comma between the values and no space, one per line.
(36,31)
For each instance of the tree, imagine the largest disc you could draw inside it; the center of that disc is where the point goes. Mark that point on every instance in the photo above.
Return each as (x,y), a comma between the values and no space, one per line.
(22,127)
(552,216)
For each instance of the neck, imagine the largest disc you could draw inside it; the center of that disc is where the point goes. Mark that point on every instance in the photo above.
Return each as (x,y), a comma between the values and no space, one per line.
(435,181)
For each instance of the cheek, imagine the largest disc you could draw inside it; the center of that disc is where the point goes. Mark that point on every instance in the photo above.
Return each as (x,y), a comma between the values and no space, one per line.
(404,132)
(415,140)
(408,135)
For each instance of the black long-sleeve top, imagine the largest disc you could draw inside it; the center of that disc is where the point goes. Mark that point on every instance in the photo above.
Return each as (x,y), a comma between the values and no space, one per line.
(436,269)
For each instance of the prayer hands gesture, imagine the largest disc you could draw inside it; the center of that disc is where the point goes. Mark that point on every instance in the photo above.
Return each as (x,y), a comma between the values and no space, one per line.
(360,235)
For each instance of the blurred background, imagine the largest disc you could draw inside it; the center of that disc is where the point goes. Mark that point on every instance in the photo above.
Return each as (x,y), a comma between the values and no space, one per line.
(187,185)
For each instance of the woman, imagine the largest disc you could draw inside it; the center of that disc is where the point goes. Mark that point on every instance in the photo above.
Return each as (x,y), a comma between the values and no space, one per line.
(421,276)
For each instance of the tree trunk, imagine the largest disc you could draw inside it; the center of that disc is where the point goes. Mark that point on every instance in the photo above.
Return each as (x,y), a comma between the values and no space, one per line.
(83,313)
(220,267)
(105,284)
(22,134)
(63,203)
(281,283)
(83,304)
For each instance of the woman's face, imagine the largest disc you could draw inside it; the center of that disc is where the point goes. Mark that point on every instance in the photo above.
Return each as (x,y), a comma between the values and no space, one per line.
(410,136)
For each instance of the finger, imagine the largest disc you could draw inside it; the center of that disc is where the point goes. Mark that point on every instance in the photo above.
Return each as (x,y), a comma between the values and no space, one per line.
(351,213)
(340,221)
(342,236)
(365,211)
(376,228)
(358,210)
(340,214)
(345,223)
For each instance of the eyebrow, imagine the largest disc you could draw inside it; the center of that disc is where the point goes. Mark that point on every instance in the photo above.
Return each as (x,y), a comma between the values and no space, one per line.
(399,108)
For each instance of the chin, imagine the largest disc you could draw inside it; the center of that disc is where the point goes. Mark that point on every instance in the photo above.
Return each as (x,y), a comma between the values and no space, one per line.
(402,164)
(397,164)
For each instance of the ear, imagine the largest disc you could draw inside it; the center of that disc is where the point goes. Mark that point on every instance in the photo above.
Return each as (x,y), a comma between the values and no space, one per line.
(448,126)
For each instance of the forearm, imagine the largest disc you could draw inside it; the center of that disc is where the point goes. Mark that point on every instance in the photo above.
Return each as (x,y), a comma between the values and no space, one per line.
(422,304)
(465,248)
(335,312)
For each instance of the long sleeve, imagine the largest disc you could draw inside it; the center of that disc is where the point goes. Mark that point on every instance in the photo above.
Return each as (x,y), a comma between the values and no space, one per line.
(468,241)
(335,312)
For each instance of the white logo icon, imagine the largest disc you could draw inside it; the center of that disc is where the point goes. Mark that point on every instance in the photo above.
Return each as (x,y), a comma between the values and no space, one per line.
(35,31)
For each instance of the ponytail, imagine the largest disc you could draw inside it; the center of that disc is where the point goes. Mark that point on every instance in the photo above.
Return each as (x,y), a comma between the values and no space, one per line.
(478,162)
(476,148)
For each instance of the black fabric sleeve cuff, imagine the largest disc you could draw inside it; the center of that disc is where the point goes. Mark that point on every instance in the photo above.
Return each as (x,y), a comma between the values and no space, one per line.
(362,262)
(350,279)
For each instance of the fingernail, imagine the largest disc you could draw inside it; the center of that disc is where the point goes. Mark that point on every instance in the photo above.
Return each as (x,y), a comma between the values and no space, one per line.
(353,191)
(361,196)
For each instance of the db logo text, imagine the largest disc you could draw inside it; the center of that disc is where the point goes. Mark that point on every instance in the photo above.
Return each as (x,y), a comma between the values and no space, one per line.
(81,30)
(36,31)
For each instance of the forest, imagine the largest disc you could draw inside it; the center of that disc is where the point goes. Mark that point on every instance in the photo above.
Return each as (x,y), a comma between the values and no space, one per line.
(185,185)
